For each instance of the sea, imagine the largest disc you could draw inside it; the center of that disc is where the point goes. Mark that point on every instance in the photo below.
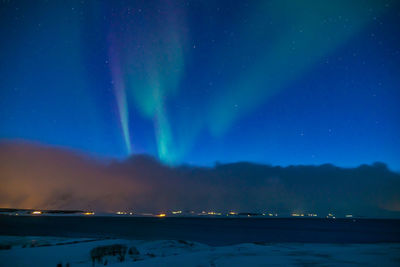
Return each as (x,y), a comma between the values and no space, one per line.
(213,231)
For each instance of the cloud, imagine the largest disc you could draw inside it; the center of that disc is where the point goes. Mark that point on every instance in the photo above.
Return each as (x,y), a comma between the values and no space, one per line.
(37,176)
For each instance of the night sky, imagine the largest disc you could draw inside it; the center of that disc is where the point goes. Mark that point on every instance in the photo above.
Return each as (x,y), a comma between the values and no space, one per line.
(277,82)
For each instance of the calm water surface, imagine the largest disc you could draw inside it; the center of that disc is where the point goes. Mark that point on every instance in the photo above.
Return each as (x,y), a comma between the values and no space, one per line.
(211,231)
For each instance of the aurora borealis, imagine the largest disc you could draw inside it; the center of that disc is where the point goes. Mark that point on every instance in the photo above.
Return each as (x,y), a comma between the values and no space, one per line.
(279,82)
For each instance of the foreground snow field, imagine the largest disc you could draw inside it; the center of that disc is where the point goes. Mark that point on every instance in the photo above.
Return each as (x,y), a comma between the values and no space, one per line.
(58,251)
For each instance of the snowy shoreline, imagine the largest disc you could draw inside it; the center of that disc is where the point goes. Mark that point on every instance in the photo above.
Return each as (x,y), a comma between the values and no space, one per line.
(52,251)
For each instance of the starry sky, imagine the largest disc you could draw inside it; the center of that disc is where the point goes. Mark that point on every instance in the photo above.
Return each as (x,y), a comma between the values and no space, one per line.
(279,82)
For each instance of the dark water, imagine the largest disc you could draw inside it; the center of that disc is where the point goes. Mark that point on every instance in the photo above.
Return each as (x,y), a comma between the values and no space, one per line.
(212,231)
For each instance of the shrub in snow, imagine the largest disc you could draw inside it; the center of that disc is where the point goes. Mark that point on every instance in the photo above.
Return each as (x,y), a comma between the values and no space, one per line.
(98,253)
(5,246)
(133,251)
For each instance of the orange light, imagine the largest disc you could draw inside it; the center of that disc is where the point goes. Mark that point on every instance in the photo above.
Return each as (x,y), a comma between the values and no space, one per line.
(88,213)
(161,215)
(36,212)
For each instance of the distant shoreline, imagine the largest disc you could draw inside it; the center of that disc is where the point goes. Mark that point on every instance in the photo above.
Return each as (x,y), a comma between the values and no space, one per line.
(180,214)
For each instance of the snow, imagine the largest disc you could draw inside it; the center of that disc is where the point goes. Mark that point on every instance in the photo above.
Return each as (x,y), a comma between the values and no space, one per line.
(50,251)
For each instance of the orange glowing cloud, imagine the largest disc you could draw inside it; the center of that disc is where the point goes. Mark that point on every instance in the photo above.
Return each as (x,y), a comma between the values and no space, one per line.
(39,177)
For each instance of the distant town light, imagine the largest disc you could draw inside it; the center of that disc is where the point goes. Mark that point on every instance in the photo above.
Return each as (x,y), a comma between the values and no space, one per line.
(213,213)
(36,212)
(162,215)
(121,212)
(88,213)
(177,212)
(331,215)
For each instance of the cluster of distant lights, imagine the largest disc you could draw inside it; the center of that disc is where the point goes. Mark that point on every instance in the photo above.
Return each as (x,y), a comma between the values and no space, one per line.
(231,213)
(203,213)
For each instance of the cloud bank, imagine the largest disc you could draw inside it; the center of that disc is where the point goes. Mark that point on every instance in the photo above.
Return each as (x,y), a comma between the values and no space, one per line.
(36,176)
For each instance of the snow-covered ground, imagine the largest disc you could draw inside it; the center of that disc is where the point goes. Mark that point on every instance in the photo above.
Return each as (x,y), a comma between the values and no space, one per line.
(52,251)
